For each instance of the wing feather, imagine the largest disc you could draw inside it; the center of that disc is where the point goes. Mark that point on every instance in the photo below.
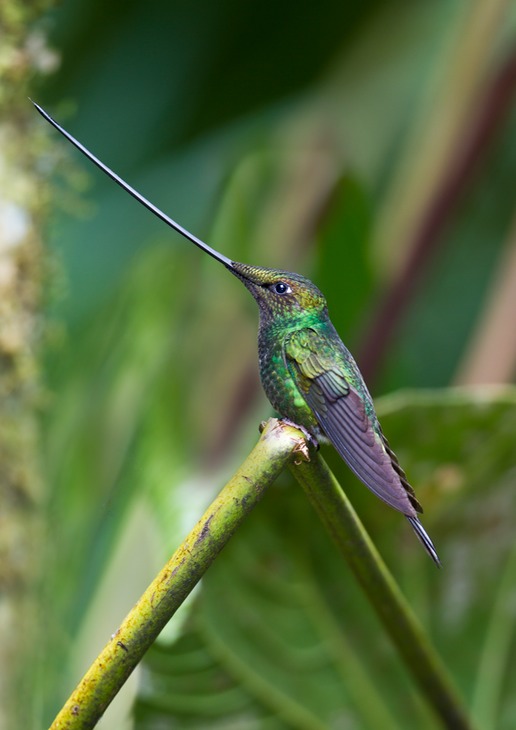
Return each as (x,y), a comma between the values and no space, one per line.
(341,413)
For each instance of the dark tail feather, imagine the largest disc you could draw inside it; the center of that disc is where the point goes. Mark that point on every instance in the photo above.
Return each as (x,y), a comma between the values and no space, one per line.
(422,535)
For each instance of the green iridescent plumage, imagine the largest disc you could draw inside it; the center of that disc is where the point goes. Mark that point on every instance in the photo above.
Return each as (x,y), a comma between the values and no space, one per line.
(311,379)
(309,376)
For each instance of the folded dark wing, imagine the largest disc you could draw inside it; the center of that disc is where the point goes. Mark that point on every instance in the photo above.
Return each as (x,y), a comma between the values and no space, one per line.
(342,415)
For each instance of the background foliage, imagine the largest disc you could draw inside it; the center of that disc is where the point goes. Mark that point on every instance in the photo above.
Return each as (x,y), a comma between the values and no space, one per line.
(370,146)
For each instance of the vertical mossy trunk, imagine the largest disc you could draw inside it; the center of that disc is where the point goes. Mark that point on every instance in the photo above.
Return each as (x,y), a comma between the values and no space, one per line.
(21,492)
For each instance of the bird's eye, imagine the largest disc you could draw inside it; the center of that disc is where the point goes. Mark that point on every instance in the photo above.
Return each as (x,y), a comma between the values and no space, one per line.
(281,288)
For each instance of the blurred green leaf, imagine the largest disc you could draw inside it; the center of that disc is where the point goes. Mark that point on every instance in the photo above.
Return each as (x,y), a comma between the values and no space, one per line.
(278,136)
(283,633)
(344,270)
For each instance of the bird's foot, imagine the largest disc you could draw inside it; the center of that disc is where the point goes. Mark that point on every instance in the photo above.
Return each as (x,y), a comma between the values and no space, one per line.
(308,436)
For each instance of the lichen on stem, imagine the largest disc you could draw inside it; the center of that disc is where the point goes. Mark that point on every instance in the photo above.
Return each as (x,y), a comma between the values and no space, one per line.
(277,445)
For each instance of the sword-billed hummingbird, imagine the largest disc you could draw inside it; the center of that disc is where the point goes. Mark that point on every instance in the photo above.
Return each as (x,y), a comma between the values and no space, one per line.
(309,376)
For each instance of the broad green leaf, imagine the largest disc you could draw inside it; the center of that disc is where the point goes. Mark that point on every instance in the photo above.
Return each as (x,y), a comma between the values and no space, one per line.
(299,128)
(280,633)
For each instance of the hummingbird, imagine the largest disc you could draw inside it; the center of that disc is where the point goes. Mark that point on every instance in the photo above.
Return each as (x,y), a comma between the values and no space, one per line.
(308,374)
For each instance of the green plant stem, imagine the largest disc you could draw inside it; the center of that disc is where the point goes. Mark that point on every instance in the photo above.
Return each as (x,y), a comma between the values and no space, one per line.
(343,524)
(167,592)
(494,664)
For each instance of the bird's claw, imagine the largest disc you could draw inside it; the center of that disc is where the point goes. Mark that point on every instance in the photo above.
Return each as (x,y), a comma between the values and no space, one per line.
(308,436)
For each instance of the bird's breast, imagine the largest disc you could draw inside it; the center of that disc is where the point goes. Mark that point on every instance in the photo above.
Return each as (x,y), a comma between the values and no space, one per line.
(278,384)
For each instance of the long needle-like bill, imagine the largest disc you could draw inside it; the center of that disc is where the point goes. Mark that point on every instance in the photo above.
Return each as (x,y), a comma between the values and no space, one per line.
(139,197)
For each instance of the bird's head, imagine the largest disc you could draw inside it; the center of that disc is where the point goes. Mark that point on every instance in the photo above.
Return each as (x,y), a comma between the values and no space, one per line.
(280,294)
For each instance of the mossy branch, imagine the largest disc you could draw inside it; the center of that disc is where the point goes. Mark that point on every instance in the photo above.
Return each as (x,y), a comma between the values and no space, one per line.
(278,446)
